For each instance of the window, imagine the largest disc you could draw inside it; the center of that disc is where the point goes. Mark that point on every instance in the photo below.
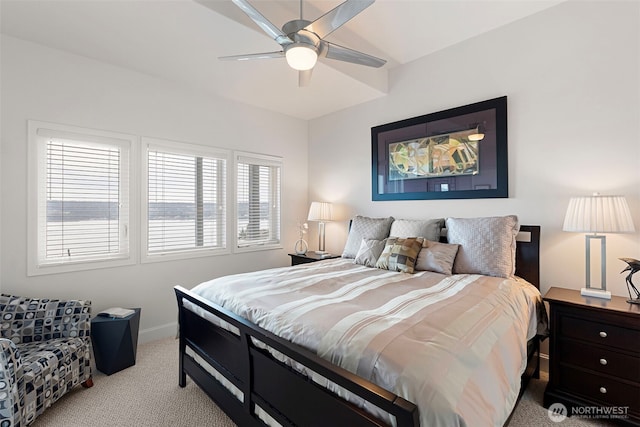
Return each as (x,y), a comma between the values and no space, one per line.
(257,201)
(82,188)
(80,203)
(185,200)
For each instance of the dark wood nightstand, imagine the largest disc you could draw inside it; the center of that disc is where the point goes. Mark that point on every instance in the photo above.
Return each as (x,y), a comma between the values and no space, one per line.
(310,257)
(594,355)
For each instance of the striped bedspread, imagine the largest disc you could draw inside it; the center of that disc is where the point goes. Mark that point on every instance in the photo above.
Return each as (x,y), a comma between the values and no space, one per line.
(456,345)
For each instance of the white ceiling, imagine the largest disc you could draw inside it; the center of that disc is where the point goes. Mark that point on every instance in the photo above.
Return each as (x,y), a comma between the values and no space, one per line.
(181,40)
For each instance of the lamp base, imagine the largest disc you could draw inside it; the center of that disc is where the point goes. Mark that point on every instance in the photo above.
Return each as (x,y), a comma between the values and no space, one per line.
(634,301)
(595,293)
(322,252)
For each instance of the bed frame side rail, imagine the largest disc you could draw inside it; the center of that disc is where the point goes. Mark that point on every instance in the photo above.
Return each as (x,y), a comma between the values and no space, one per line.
(272,385)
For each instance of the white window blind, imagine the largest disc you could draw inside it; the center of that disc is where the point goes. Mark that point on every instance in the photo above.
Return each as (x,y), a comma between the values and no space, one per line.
(83,208)
(258,201)
(186,201)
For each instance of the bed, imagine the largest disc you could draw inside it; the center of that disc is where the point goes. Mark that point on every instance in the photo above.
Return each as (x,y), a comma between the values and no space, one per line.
(343,344)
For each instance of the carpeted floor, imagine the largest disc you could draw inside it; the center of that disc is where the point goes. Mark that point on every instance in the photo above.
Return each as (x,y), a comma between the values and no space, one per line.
(148,394)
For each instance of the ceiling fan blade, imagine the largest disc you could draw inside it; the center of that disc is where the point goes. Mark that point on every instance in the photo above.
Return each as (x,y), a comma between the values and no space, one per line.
(273,31)
(304,77)
(251,56)
(338,16)
(340,53)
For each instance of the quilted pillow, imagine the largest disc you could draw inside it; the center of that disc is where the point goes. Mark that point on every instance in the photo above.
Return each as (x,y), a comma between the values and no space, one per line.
(363,227)
(400,254)
(437,257)
(428,228)
(369,252)
(487,245)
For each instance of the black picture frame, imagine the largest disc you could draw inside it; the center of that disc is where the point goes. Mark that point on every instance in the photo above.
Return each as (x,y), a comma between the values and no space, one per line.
(438,156)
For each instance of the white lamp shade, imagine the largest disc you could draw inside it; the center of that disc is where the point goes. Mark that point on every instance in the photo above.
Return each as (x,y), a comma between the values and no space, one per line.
(301,57)
(320,211)
(598,214)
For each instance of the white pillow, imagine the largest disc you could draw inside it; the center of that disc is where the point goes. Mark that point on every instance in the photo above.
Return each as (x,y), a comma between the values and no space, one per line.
(363,227)
(487,245)
(369,252)
(428,228)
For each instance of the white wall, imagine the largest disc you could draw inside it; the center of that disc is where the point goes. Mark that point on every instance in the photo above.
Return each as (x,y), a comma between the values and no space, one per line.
(572,77)
(40,83)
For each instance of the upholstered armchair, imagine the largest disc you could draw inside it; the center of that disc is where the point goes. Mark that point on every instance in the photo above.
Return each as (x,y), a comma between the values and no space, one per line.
(45,351)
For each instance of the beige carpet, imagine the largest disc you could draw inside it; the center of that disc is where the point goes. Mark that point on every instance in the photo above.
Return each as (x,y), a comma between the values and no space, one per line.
(147,394)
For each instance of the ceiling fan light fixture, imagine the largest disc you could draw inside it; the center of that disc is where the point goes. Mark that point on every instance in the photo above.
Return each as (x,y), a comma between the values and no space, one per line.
(301,56)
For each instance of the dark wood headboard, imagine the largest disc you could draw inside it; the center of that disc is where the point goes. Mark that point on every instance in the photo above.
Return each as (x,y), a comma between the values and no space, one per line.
(528,254)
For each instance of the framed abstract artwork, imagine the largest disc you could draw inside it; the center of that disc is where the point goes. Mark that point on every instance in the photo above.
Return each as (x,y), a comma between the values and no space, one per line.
(460,153)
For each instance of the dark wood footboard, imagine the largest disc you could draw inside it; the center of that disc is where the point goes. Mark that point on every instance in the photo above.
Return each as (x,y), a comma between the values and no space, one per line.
(291,398)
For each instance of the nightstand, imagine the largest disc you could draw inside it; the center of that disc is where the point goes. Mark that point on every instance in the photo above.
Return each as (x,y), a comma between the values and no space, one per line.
(310,257)
(594,355)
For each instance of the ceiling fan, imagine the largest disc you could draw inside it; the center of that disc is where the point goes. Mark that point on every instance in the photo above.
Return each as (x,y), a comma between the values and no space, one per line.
(303,41)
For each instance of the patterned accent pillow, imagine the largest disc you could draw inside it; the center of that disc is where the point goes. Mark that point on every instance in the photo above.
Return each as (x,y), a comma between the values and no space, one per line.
(400,254)
(487,245)
(369,252)
(363,227)
(437,257)
(429,228)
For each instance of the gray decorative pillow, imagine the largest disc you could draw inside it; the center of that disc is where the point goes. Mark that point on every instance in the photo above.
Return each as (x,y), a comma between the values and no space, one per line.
(437,257)
(363,227)
(369,252)
(428,228)
(487,245)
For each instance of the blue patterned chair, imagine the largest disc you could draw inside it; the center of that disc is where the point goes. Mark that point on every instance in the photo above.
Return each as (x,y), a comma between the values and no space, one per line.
(45,351)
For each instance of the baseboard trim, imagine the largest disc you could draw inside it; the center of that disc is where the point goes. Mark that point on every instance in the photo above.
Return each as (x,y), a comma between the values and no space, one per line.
(158,332)
(544,362)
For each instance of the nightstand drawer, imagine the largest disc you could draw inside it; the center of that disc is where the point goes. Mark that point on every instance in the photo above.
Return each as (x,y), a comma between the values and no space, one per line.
(301,260)
(600,333)
(599,388)
(599,359)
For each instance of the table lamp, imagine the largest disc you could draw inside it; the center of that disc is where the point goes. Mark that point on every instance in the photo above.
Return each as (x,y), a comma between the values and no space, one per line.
(597,214)
(321,212)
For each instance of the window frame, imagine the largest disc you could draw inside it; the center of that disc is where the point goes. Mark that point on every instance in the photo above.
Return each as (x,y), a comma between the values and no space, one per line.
(264,160)
(38,133)
(188,149)
(135,150)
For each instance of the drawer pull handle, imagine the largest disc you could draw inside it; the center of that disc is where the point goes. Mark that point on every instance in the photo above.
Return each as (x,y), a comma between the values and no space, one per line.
(603,390)
(603,334)
(603,361)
